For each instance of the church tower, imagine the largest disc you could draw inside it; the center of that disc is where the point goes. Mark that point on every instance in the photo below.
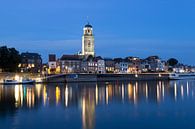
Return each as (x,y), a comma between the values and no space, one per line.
(88,41)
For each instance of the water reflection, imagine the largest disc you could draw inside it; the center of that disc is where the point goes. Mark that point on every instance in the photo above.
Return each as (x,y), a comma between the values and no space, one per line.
(88,96)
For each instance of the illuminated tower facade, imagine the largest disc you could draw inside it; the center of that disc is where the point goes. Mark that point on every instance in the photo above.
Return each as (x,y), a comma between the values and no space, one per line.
(88,41)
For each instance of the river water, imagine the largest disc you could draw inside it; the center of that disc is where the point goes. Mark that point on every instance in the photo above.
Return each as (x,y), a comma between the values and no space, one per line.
(106,105)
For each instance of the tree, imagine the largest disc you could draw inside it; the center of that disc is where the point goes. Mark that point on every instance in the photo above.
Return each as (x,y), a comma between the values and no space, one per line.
(172,62)
(9,59)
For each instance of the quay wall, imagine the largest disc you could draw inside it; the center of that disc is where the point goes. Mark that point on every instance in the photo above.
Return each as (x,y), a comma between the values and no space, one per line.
(105,77)
(13,75)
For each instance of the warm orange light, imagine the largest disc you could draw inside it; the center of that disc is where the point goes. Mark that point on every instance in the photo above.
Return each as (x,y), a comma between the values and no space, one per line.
(57,94)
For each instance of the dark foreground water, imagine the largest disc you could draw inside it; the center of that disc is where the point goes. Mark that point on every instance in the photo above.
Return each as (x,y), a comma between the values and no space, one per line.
(111,105)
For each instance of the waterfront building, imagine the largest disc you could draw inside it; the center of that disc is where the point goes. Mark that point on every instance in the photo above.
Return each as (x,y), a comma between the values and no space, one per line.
(181,68)
(134,64)
(116,65)
(110,65)
(88,41)
(70,63)
(145,66)
(153,64)
(89,65)
(121,66)
(30,62)
(52,64)
(100,65)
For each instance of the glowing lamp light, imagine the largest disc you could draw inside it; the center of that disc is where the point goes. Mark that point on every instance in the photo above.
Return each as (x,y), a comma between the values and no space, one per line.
(19,65)
(18,78)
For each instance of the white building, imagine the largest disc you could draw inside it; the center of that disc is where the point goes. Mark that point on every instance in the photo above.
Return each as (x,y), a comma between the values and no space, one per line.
(101,66)
(153,64)
(121,67)
(88,41)
(53,65)
(70,64)
(52,61)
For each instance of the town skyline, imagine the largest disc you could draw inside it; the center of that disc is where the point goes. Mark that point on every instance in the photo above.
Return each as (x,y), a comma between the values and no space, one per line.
(76,48)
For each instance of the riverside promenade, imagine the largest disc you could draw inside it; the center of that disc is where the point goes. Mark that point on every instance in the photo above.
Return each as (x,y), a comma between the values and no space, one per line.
(74,77)
(104,77)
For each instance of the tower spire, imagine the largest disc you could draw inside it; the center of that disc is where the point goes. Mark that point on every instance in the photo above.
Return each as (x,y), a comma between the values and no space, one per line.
(88,20)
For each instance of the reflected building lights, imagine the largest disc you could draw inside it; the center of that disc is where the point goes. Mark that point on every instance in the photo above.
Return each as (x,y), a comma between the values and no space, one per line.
(66,96)
(44,95)
(57,94)
(110,91)
(107,97)
(88,112)
(123,92)
(83,112)
(159,83)
(163,91)
(130,90)
(17,92)
(136,85)
(158,93)
(182,93)
(21,95)
(187,89)
(163,83)
(96,94)
(1,91)
(146,91)
(134,92)
(30,97)
(38,90)
(175,90)
(134,95)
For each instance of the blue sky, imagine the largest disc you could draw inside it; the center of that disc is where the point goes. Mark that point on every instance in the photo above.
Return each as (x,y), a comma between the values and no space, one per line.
(122,28)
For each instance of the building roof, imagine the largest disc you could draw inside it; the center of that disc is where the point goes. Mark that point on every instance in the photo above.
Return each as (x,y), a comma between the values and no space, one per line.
(88,26)
(30,55)
(70,57)
(52,57)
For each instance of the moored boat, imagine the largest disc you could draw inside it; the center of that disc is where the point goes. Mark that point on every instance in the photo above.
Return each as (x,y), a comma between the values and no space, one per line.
(181,76)
(23,81)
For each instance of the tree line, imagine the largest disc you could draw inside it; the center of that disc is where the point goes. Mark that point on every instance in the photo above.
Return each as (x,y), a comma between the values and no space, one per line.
(9,59)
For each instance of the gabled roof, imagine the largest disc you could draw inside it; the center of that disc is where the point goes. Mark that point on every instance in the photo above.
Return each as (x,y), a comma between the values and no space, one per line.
(70,57)
(30,55)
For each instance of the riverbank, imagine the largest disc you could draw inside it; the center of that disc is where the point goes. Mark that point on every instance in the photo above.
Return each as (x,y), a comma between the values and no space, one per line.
(105,77)
(34,76)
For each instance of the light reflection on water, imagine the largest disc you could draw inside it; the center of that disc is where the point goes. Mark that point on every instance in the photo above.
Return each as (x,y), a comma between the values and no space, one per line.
(87,104)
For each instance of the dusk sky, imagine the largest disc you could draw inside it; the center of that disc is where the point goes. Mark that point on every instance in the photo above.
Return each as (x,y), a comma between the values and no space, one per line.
(121,27)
